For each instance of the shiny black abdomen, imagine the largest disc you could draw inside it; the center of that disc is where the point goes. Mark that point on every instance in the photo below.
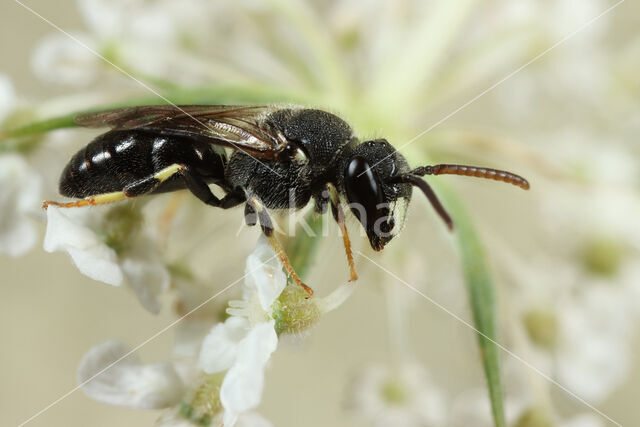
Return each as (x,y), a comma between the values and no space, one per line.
(121,157)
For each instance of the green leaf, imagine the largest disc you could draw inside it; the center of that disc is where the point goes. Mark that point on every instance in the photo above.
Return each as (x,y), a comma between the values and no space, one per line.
(481,290)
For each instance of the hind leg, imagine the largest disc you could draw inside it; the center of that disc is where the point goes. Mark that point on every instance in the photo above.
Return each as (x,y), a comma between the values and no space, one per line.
(138,188)
(193,182)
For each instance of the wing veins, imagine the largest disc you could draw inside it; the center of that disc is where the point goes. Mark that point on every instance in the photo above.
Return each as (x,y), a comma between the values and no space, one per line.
(238,127)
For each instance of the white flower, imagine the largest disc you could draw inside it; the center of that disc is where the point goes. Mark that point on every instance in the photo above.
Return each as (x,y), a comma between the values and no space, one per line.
(245,341)
(147,279)
(594,347)
(20,188)
(60,59)
(159,21)
(111,373)
(114,376)
(253,419)
(404,397)
(599,158)
(7,97)
(247,419)
(580,306)
(75,231)
(583,420)
(472,408)
(579,69)
(243,385)
(127,33)
(581,332)
(67,232)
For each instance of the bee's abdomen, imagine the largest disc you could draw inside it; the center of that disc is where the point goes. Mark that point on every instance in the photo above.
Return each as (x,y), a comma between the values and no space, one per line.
(119,158)
(107,164)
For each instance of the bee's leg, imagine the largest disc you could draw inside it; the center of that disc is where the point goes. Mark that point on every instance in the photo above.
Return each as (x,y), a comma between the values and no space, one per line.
(138,188)
(199,188)
(322,201)
(168,214)
(194,183)
(267,228)
(250,217)
(338,215)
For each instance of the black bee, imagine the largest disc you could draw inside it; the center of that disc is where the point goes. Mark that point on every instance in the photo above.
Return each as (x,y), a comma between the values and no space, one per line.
(284,156)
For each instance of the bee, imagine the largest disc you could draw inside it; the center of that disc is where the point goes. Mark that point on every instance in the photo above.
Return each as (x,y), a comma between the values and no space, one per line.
(280,158)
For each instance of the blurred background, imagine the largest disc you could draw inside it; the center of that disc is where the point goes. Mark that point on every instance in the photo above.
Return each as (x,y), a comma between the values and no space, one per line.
(546,89)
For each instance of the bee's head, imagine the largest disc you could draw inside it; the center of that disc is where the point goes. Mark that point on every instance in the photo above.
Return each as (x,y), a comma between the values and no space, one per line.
(379,204)
(378,183)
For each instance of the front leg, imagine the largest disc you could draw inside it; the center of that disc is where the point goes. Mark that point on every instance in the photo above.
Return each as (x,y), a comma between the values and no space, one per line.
(322,200)
(267,228)
(338,215)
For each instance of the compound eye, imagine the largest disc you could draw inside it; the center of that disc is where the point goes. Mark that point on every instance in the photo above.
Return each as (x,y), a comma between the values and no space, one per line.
(363,191)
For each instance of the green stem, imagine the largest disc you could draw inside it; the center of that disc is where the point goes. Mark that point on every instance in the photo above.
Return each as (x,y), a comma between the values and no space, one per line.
(481,289)
(302,249)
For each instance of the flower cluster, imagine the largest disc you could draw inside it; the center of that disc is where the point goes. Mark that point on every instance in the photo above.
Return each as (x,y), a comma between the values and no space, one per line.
(21,189)
(217,376)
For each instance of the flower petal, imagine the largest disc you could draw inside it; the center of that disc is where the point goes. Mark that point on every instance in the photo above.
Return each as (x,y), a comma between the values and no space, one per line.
(7,96)
(401,396)
(108,373)
(220,347)
(20,188)
(61,60)
(264,274)
(17,239)
(147,280)
(104,17)
(242,386)
(597,316)
(252,419)
(583,420)
(93,258)
(189,335)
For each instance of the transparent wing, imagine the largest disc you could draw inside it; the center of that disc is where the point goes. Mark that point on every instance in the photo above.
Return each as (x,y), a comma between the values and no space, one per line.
(239,127)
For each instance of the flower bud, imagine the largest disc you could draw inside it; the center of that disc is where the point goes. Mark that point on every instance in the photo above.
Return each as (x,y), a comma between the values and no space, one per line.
(394,392)
(603,256)
(293,311)
(534,417)
(119,227)
(542,327)
(202,404)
